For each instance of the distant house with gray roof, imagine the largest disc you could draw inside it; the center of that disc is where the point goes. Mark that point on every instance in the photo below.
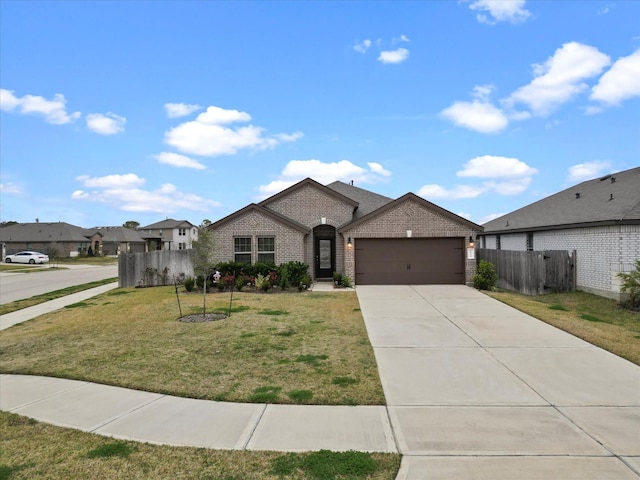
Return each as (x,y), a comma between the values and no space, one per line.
(599,219)
(342,228)
(169,234)
(66,240)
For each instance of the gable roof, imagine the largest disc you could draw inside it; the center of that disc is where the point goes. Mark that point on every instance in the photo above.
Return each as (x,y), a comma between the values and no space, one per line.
(119,234)
(168,223)
(367,201)
(613,198)
(421,201)
(44,232)
(303,183)
(252,207)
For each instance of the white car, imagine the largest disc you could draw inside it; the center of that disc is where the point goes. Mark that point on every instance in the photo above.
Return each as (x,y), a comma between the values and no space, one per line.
(27,257)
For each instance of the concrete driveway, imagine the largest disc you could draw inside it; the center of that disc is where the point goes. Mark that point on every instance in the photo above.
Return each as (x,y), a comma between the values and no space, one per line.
(478,390)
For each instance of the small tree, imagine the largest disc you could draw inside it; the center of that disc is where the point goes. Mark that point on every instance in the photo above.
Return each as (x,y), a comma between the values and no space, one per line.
(631,285)
(485,277)
(202,263)
(131,224)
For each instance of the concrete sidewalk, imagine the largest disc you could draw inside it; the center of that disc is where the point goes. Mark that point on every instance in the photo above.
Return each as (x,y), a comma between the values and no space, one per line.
(25,314)
(476,389)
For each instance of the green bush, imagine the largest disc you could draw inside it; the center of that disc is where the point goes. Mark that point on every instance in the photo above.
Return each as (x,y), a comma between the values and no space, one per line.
(485,277)
(346,282)
(631,285)
(189,283)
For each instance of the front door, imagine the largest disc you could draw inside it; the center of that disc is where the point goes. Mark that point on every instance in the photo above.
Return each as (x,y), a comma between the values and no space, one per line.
(325,253)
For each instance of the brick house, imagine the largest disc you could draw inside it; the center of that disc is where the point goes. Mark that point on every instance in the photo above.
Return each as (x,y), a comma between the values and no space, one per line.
(66,240)
(599,219)
(371,238)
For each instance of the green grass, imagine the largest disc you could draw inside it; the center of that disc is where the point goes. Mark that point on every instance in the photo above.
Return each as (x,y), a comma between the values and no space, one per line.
(597,320)
(45,297)
(34,450)
(131,338)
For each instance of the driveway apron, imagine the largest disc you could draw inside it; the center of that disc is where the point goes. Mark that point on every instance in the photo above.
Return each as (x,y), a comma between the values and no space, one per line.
(476,389)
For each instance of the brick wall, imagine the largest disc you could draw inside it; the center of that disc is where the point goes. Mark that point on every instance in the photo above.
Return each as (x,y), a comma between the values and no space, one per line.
(394,223)
(289,242)
(601,252)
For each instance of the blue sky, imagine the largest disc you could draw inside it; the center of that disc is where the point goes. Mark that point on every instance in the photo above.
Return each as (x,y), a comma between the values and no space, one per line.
(117,111)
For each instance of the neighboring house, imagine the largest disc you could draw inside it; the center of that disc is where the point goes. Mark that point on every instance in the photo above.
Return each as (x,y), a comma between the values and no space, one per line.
(599,219)
(117,240)
(342,228)
(169,234)
(53,238)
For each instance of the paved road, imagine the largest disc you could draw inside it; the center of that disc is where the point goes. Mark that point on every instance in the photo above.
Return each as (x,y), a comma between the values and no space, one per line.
(16,286)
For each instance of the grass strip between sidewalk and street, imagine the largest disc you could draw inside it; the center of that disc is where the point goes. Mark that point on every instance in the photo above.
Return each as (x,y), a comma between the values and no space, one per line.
(45,297)
(34,450)
(598,320)
(289,348)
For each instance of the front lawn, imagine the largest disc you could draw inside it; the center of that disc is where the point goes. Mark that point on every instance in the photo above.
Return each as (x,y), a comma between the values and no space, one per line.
(34,450)
(597,320)
(309,348)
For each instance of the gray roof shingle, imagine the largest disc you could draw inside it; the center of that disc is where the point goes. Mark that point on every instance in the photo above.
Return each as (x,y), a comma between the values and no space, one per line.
(44,232)
(611,198)
(367,201)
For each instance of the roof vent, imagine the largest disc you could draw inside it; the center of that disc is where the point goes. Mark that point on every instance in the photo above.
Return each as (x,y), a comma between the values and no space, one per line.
(613,179)
(611,197)
(577,195)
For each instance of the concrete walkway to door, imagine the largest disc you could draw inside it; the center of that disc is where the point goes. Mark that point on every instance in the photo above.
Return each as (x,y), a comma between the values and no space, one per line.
(476,389)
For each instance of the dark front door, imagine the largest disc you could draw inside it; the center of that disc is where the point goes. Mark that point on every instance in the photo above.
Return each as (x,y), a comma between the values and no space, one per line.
(325,254)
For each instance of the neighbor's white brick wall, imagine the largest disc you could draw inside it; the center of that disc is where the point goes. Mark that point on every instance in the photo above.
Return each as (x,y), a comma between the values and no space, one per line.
(601,252)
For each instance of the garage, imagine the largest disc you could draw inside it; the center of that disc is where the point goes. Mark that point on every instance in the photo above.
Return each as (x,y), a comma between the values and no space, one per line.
(409,261)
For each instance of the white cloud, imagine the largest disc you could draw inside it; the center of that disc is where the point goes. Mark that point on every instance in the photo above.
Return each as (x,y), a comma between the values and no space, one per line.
(401,38)
(180,161)
(456,193)
(491,166)
(9,188)
(175,110)
(209,134)
(477,115)
(560,78)
(511,11)
(621,82)
(108,124)
(588,170)
(362,47)
(123,192)
(501,175)
(54,111)
(393,56)
(323,173)
(127,180)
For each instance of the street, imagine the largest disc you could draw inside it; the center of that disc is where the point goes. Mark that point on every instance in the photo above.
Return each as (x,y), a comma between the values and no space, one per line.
(17,286)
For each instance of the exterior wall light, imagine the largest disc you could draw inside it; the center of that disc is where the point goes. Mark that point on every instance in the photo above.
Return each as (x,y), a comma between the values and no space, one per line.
(471,243)
(349,243)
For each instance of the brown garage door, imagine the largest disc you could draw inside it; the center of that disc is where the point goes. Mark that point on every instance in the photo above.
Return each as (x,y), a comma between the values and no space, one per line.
(404,261)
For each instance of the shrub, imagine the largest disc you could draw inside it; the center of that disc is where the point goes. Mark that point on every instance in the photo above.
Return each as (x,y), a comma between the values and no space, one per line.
(631,286)
(485,277)
(346,282)
(189,283)
(305,283)
(283,277)
(263,283)
(200,281)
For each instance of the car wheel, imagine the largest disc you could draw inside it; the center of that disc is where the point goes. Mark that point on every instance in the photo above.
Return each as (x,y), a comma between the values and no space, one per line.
(32,261)
(7,260)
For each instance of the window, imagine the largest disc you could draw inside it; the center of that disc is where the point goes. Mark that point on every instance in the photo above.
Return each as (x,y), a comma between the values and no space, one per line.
(182,231)
(498,242)
(242,249)
(266,249)
(182,246)
(529,241)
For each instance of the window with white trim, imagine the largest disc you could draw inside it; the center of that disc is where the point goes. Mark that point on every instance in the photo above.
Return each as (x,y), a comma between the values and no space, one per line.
(267,249)
(182,246)
(529,241)
(242,249)
(182,231)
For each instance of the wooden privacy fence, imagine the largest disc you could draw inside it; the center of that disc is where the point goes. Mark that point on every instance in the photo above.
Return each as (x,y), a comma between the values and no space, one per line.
(154,268)
(533,273)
